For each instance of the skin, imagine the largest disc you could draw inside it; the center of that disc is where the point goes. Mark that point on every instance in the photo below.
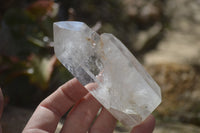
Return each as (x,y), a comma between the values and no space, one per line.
(82,115)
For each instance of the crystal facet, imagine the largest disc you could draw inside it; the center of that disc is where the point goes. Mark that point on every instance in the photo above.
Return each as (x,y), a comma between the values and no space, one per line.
(124,88)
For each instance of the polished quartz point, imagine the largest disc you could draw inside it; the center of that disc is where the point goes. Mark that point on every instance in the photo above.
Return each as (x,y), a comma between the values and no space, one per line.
(123,87)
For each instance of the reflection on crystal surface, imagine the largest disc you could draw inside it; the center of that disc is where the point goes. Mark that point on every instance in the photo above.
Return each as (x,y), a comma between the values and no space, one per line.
(124,88)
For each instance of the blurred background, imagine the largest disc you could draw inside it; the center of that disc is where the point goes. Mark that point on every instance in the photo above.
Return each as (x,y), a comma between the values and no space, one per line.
(163,34)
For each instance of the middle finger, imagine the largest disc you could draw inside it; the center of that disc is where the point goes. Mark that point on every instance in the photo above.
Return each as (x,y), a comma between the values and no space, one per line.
(82,115)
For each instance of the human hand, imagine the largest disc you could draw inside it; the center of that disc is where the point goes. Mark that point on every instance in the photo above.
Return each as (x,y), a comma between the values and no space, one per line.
(81,117)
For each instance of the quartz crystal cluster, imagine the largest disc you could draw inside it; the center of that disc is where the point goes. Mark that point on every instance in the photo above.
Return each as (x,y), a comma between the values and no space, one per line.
(123,87)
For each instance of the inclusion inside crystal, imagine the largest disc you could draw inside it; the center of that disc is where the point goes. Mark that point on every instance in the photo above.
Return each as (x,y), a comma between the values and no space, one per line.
(124,88)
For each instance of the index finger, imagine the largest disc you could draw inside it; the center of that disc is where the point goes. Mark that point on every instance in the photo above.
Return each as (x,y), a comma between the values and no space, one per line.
(48,113)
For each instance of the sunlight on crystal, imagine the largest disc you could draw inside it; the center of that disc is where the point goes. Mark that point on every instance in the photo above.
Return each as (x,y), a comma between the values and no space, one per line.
(124,88)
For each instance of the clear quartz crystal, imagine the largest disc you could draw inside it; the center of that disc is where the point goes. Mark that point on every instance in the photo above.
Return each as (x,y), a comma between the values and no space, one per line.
(124,88)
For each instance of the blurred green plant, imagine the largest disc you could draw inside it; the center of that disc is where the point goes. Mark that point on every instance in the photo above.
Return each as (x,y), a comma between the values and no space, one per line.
(27,62)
